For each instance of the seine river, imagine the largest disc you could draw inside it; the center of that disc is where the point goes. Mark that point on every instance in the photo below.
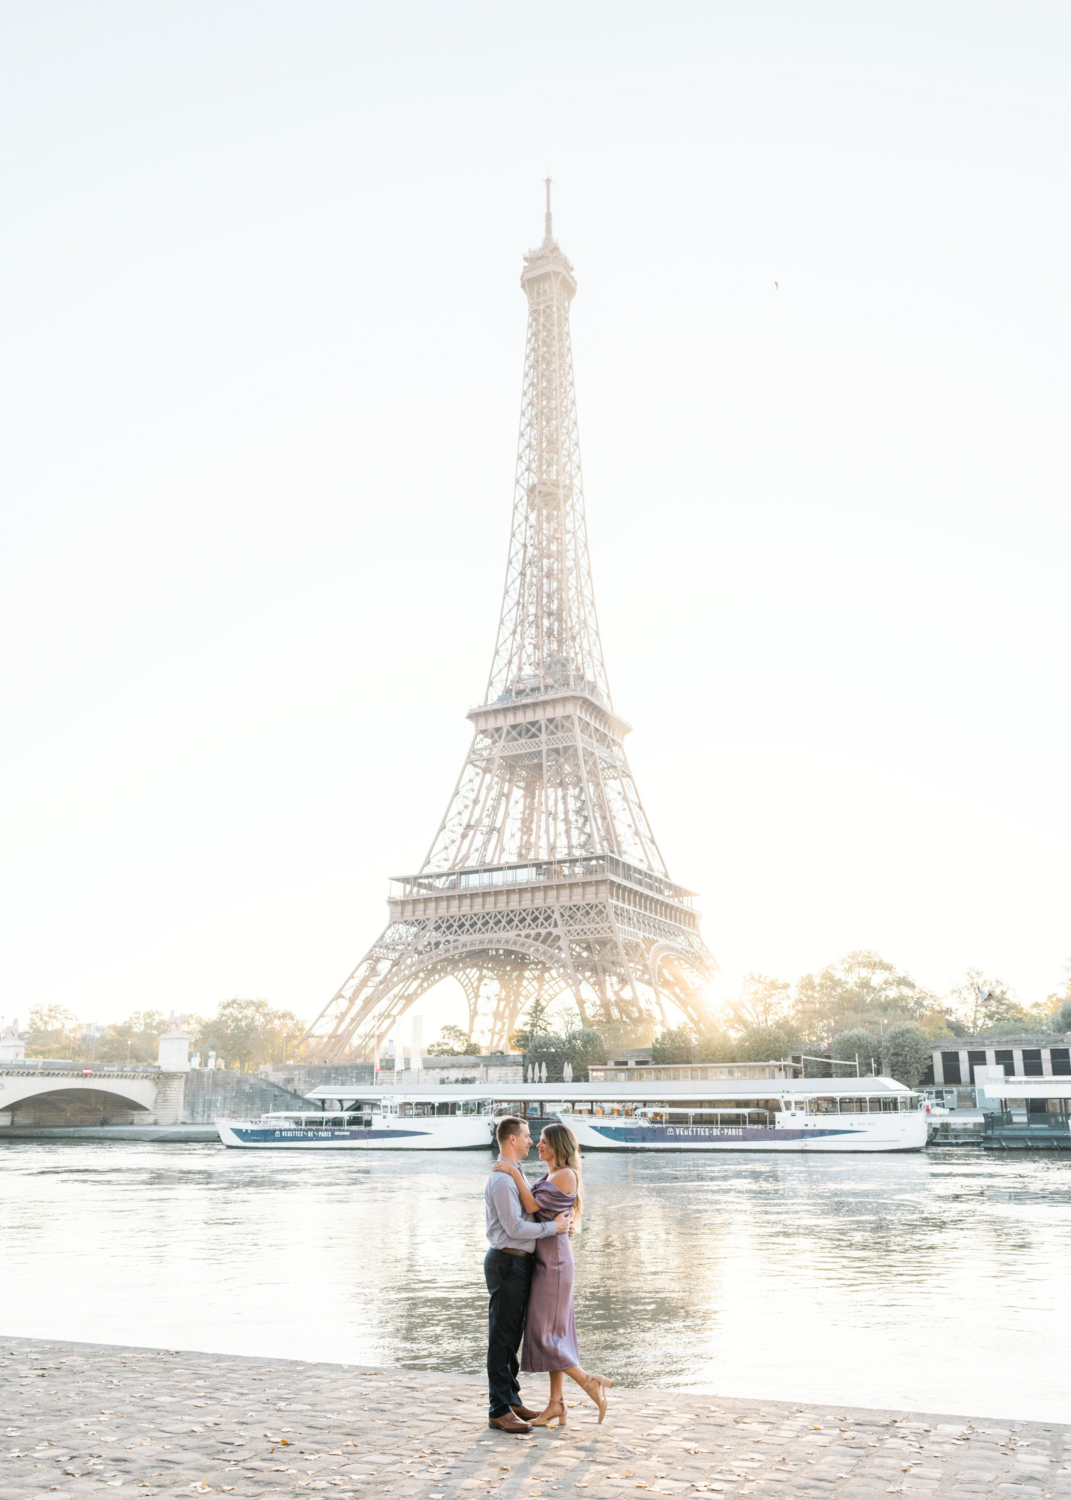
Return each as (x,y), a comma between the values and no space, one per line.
(936,1281)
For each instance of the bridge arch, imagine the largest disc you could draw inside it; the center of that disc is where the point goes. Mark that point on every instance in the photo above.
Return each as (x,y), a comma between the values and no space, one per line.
(55,1096)
(73,1106)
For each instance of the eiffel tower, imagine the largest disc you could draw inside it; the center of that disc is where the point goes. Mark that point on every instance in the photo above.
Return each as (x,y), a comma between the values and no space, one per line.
(544,877)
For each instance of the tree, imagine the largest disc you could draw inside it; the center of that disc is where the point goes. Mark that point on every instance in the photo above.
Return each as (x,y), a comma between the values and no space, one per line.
(674,1046)
(134,1040)
(983,1004)
(908,1054)
(1058,1002)
(935,1024)
(714,1047)
(848,1045)
(550,1048)
(762,1001)
(862,987)
(250,1032)
(1061,1019)
(540,1019)
(584,1047)
(53,1032)
(453,1042)
(580,1047)
(762,1044)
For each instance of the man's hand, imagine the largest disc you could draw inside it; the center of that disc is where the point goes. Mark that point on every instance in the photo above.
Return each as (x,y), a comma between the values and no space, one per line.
(562,1223)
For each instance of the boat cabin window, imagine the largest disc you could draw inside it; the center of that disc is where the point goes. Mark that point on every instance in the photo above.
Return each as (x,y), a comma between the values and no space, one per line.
(857,1105)
(822,1106)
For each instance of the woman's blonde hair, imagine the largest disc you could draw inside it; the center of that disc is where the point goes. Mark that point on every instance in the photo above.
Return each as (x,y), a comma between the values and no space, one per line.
(565,1152)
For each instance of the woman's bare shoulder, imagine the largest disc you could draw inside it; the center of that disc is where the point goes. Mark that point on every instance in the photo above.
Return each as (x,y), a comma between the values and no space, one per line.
(564,1180)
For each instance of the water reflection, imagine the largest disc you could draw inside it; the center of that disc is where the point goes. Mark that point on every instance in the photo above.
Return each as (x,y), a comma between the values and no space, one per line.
(931,1281)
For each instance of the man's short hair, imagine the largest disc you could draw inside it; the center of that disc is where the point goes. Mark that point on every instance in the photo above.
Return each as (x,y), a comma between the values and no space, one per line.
(509,1125)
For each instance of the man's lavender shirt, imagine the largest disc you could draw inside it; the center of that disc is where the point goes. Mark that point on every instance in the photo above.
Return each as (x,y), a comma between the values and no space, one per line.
(508,1226)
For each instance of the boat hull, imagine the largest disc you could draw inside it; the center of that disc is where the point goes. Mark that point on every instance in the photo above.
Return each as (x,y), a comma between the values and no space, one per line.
(405,1135)
(899,1132)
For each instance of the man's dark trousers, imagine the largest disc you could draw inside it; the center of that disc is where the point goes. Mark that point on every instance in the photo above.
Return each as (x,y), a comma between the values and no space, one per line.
(509,1280)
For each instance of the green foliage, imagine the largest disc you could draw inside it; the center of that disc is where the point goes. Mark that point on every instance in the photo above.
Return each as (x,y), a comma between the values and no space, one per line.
(453,1042)
(52,1031)
(987,1005)
(714,1047)
(585,1046)
(675,1046)
(134,1040)
(935,1023)
(908,1053)
(546,1047)
(861,987)
(762,1001)
(846,1046)
(1061,1019)
(545,1016)
(247,1033)
(762,1044)
(580,1047)
(621,1036)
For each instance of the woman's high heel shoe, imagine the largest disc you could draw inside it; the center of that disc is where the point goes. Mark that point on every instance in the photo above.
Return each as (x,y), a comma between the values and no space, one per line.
(555,1412)
(596,1387)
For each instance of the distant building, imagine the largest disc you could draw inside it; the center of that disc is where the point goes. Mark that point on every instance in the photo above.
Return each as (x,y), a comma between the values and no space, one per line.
(496,1067)
(623,1071)
(955,1058)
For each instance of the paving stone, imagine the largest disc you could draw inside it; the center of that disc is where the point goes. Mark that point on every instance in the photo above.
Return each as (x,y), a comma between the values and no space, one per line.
(169,1424)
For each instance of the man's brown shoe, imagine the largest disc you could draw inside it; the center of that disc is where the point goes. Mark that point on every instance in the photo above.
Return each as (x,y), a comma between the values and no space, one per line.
(507,1422)
(525,1413)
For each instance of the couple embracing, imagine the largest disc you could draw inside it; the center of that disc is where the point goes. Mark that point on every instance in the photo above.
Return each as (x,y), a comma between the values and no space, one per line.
(529,1274)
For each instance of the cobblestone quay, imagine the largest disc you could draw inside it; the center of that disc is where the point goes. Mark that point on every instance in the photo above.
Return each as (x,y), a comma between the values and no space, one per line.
(85,1417)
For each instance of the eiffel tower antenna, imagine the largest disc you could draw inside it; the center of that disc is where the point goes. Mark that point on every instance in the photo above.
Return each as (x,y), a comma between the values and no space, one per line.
(544,877)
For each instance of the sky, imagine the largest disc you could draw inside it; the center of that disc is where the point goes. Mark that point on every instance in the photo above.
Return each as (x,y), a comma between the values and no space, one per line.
(263,339)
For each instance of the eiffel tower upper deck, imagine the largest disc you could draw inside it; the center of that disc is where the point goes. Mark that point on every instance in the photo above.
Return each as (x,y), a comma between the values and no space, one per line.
(544,874)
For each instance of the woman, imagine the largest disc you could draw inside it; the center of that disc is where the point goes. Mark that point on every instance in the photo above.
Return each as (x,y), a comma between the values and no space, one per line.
(550,1328)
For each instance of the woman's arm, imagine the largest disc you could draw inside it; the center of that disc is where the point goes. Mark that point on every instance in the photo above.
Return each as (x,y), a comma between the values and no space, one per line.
(528,1202)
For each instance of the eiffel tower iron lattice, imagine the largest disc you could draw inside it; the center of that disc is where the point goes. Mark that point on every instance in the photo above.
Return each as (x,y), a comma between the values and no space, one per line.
(544,877)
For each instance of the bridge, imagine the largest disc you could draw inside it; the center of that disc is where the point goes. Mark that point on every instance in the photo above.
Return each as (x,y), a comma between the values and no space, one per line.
(38,1091)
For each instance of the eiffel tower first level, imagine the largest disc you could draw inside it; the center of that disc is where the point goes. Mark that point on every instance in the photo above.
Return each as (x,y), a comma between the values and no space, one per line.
(544,877)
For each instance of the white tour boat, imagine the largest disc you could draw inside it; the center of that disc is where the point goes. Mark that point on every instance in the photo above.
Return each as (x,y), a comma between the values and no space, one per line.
(800,1114)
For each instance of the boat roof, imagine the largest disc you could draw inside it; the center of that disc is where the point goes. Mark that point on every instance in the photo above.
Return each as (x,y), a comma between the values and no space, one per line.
(567,1093)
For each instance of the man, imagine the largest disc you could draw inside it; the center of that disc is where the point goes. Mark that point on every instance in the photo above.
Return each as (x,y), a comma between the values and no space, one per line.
(507,1269)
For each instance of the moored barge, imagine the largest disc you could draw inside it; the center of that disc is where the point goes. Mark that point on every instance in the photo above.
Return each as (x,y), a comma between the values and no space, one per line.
(782,1115)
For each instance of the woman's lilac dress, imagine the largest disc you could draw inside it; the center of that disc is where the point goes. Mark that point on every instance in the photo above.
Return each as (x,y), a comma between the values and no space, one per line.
(549,1325)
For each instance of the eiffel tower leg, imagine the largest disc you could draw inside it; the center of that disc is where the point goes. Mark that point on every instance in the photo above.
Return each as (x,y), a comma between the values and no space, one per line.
(511,994)
(471,981)
(682,978)
(327,1039)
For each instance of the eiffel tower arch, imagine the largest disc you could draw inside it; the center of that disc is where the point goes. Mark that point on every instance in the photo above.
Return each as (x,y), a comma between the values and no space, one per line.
(544,876)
